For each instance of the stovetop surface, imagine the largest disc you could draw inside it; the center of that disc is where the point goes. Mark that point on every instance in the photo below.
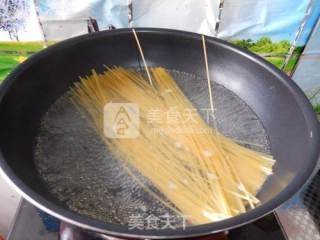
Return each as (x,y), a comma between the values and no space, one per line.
(297,219)
(33,224)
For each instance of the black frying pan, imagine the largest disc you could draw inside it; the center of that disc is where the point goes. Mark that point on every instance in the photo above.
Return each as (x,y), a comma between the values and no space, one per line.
(284,111)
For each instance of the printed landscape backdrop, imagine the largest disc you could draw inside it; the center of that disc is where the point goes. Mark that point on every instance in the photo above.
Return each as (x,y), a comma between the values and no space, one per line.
(266,27)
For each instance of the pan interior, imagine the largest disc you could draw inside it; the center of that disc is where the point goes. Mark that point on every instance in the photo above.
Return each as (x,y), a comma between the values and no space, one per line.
(78,170)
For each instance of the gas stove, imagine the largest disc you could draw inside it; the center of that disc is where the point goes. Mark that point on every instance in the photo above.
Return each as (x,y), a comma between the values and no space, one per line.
(33,224)
(299,218)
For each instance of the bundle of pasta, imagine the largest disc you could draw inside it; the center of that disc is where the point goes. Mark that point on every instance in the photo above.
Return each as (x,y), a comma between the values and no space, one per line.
(204,174)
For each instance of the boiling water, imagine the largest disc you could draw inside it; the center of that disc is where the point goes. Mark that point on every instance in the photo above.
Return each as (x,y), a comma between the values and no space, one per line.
(79,172)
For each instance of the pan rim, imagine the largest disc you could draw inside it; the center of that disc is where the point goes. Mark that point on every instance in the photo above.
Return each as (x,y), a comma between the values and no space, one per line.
(193,231)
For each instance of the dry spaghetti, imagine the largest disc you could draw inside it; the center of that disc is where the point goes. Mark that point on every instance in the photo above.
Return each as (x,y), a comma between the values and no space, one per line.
(205,175)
